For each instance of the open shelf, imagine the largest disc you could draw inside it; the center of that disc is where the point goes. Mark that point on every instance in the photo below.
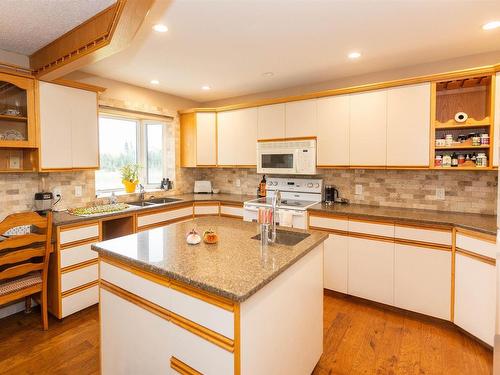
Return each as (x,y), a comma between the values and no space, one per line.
(464,168)
(13,118)
(469,124)
(461,147)
(17,160)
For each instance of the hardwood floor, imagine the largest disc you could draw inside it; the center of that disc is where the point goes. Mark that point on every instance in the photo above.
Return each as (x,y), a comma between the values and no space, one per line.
(360,338)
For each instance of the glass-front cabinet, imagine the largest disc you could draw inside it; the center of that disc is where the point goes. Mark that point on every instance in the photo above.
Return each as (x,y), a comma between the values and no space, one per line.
(18,140)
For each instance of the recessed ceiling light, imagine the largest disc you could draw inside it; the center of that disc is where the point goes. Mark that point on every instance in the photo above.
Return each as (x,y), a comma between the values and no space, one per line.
(154,82)
(491,25)
(205,87)
(268,74)
(161,28)
(354,55)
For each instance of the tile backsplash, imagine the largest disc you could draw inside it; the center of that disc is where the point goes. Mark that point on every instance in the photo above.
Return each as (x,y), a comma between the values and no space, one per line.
(465,191)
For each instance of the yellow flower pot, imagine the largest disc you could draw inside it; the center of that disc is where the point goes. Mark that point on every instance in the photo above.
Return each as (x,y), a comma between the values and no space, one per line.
(130,186)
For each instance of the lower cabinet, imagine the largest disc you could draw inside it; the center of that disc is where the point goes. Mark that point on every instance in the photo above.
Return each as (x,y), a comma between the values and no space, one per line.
(475,296)
(422,280)
(336,259)
(371,269)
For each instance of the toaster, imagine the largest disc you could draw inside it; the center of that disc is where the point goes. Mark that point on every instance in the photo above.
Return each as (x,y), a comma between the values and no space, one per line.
(203,187)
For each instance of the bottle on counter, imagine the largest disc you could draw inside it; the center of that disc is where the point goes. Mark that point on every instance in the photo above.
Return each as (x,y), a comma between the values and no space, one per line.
(262,187)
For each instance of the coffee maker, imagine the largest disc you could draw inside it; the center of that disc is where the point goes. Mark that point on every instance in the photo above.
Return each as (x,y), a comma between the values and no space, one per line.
(331,194)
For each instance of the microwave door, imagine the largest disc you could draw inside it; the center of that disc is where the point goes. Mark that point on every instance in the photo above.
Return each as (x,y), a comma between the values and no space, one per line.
(277,161)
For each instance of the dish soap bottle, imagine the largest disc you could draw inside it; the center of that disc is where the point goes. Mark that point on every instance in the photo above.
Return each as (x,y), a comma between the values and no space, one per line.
(262,187)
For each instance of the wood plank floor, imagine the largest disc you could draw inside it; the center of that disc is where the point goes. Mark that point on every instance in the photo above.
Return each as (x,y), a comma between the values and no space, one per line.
(360,338)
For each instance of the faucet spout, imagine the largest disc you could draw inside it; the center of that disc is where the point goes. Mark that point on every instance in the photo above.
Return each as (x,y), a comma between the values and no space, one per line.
(275,205)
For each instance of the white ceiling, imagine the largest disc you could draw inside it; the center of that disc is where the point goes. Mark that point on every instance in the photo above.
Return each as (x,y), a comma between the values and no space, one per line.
(229,44)
(28,25)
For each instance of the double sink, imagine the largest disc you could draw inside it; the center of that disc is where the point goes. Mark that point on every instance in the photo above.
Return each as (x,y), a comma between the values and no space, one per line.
(154,202)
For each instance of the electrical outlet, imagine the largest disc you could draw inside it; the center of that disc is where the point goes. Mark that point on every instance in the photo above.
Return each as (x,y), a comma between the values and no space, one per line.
(78,191)
(238,182)
(358,189)
(56,191)
(440,193)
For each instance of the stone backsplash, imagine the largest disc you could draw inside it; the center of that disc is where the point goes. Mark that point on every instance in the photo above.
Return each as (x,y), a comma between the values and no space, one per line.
(465,191)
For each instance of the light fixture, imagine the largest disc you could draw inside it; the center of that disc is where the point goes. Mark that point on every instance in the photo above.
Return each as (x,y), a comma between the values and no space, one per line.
(161,28)
(154,82)
(205,87)
(491,25)
(354,55)
(268,74)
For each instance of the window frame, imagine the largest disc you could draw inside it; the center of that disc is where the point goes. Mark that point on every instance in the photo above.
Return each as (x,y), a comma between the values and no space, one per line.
(141,148)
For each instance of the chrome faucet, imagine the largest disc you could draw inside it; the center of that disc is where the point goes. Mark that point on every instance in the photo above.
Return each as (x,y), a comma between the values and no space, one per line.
(276,203)
(142,192)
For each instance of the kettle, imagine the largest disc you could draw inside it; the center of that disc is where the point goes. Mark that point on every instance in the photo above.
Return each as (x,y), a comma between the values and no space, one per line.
(331,194)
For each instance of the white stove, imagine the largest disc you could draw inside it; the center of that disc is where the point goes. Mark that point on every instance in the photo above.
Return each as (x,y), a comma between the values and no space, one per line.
(297,195)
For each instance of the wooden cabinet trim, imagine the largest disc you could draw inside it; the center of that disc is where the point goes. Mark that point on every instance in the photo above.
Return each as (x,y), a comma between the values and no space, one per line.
(86,241)
(477,235)
(287,139)
(207,203)
(77,266)
(425,245)
(78,289)
(230,204)
(182,368)
(436,228)
(481,258)
(157,210)
(372,237)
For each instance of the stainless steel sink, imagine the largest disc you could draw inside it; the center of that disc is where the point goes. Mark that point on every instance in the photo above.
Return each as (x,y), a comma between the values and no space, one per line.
(141,204)
(163,200)
(286,237)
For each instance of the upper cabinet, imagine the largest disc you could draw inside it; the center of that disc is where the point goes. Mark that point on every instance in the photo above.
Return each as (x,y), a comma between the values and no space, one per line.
(368,128)
(271,121)
(237,137)
(68,128)
(199,139)
(301,119)
(408,125)
(333,131)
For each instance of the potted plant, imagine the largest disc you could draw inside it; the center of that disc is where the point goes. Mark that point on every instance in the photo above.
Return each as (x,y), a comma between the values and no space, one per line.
(130,177)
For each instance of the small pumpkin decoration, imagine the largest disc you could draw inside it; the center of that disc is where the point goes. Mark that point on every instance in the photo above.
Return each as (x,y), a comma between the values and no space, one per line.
(210,237)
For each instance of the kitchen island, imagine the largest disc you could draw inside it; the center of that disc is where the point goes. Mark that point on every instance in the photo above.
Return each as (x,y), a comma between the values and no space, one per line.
(227,308)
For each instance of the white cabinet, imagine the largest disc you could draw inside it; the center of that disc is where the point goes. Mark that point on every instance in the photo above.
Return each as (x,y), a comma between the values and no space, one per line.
(422,280)
(271,121)
(371,270)
(237,137)
(206,144)
(333,131)
(475,297)
(408,125)
(68,127)
(496,130)
(368,128)
(301,119)
(336,262)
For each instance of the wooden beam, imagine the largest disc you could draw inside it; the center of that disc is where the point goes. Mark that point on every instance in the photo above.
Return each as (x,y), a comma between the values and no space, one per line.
(107,33)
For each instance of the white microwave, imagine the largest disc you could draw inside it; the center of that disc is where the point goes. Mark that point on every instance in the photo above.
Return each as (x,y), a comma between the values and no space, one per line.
(286,157)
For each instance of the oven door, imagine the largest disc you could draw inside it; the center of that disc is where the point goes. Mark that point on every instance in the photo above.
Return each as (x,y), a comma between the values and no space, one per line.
(277,161)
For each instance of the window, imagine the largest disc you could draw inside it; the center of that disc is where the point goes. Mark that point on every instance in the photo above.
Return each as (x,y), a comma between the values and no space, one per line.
(127,140)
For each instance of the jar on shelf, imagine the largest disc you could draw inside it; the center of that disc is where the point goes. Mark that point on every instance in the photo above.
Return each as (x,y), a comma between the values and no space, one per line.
(440,142)
(461,159)
(438,161)
(448,140)
(481,160)
(476,140)
(446,161)
(485,139)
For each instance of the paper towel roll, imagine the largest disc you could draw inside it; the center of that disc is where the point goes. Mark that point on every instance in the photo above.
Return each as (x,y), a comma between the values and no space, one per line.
(286,218)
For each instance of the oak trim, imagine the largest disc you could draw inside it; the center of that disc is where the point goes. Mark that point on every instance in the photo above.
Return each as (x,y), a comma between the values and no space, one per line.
(77,266)
(70,245)
(436,228)
(479,257)
(290,139)
(477,235)
(79,289)
(330,230)
(372,237)
(422,244)
(182,368)
(453,261)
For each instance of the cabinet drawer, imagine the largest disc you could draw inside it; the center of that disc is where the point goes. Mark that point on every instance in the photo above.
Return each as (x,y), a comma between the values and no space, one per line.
(78,301)
(231,211)
(328,223)
(206,209)
(79,234)
(200,354)
(476,245)
(77,254)
(78,277)
(377,229)
(160,217)
(423,235)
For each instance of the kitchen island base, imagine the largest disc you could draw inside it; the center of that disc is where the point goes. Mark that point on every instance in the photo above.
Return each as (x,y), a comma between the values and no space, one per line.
(151,324)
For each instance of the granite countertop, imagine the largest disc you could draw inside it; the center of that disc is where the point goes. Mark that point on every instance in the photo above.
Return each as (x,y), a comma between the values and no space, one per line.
(236,267)
(65,218)
(481,223)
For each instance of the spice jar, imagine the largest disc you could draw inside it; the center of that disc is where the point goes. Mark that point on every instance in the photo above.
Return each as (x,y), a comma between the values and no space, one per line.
(481,160)
(485,139)
(446,160)
(476,140)
(448,140)
(438,161)
(440,142)
(461,159)
(454,160)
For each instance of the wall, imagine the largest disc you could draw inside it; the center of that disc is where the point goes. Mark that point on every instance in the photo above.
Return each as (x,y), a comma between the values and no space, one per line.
(466,191)
(466,62)
(13,58)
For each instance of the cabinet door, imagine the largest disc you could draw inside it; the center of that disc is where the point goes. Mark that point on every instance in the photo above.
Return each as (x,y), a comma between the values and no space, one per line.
(206,139)
(55,127)
(422,280)
(371,270)
(84,128)
(333,131)
(246,145)
(227,138)
(408,125)
(271,121)
(496,130)
(475,297)
(301,119)
(336,262)
(368,128)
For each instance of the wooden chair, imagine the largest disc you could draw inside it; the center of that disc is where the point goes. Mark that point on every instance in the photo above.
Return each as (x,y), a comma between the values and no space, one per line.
(24,260)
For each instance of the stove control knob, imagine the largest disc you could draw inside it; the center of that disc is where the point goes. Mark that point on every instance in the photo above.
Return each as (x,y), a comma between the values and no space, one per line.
(309,185)
(275,183)
(316,185)
(269,183)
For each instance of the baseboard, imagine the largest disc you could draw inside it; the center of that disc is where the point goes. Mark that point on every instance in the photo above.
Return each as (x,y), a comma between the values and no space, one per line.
(13,308)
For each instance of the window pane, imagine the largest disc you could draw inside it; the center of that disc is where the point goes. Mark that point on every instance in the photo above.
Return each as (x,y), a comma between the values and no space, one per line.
(117,147)
(154,153)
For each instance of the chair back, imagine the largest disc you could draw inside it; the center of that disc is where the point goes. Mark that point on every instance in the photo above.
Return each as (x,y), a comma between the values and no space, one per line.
(25,253)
